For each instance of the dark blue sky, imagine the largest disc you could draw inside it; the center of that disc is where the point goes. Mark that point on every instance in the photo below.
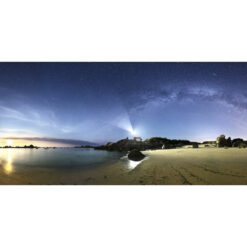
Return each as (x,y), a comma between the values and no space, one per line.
(100,102)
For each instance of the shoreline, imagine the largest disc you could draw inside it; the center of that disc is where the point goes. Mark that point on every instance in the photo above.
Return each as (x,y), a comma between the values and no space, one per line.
(202,166)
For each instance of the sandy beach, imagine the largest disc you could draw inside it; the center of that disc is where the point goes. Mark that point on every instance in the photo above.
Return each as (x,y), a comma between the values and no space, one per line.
(202,166)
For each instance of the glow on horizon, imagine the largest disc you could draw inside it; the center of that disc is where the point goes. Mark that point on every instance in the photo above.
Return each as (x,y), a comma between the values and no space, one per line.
(9,142)
(23,142)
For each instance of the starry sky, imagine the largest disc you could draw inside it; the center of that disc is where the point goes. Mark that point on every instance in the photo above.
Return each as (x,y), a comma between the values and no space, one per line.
(101,102)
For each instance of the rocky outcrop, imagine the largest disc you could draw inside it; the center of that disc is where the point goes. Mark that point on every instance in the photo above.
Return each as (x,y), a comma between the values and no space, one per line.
(125,145)
(136,155)
(149,144)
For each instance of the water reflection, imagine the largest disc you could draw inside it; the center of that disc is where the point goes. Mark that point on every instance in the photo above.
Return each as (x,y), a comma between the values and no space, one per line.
(9,167)
(132,164)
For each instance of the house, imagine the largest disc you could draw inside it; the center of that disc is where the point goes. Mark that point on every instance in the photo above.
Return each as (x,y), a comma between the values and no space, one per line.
(137,139)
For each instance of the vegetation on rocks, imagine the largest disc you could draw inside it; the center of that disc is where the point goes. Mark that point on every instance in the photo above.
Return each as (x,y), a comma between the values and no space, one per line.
(221,141)
(149,144)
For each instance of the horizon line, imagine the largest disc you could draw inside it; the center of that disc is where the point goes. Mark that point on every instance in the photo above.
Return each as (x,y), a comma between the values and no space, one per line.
(51,139)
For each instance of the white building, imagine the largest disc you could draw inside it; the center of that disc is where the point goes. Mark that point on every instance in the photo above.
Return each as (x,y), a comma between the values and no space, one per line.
(137,139)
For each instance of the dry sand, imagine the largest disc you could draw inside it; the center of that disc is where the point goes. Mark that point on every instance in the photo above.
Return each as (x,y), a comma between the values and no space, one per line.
(201,166)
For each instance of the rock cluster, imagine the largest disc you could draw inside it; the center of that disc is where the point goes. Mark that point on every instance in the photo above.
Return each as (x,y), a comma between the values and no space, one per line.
(136,155)
(149,144)
(195,145)
(125,145)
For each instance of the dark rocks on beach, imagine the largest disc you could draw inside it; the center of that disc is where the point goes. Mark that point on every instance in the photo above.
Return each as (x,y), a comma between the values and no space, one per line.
(195,145)
(136,155)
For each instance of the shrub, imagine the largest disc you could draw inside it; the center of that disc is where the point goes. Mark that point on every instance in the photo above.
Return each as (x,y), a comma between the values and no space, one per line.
(242,145)
(229,142)
(221,141)
(236,142)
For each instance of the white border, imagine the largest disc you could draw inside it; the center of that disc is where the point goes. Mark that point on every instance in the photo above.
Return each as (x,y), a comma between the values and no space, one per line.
(129,30)
(123,216)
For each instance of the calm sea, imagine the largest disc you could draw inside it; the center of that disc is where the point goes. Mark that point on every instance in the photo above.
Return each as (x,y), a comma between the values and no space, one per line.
(12,160)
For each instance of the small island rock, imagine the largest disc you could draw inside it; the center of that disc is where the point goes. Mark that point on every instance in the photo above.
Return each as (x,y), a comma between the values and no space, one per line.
(136,155)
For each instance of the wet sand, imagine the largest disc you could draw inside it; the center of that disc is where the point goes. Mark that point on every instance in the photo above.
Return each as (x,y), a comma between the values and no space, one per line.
(203,166)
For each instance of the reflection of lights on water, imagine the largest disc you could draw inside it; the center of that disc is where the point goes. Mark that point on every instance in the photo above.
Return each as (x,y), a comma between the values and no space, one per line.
(9,167)
(130,163)
(133,164)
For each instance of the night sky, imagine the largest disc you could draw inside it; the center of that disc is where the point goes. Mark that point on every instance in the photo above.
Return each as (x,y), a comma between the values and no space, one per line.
(101,102)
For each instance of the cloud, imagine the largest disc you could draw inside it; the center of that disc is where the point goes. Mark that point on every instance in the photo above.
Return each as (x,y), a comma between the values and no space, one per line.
(38,117)
(11,113)
(28,115)
(5,132)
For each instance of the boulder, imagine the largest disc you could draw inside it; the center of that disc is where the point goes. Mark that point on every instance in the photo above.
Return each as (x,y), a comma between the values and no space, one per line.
(136,155)
(195,145)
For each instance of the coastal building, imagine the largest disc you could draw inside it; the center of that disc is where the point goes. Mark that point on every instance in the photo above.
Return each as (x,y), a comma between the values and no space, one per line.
(137,139)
